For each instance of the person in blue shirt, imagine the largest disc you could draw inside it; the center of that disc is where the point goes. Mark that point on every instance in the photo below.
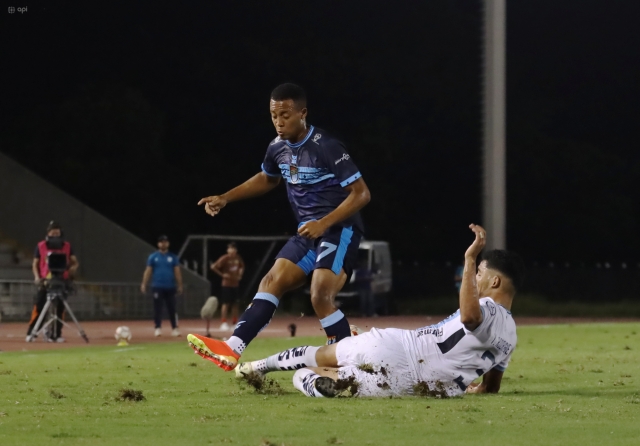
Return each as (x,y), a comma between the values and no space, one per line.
(326,191)
(163,270)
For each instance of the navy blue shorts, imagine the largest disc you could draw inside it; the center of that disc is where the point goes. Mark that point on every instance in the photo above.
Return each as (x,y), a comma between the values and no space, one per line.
(336,249)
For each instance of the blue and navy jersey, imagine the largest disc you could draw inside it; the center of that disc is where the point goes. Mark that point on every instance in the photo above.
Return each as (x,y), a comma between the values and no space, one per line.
(316,171)
(163,269)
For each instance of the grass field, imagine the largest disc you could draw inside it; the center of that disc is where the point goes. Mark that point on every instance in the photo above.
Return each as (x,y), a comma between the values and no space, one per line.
(567,384)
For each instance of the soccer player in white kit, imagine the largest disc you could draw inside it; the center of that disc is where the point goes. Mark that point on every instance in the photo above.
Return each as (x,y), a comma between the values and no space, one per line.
(442,359)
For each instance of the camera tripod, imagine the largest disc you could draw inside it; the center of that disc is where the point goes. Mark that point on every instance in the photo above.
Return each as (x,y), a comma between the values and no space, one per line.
(49,310)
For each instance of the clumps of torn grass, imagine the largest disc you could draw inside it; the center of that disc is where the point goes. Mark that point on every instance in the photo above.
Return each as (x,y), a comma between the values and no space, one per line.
(367,368)
(56,395)
(347,387)
(5,372)
(438,390)
(334,440)
(130,395)
(262,385)
(193,364)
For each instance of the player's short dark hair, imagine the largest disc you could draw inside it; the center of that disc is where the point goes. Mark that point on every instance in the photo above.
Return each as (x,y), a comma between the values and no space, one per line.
(290,91)
(508,263)
(232,245)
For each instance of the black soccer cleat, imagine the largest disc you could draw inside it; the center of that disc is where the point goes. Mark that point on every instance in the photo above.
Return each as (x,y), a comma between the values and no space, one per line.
(326,386)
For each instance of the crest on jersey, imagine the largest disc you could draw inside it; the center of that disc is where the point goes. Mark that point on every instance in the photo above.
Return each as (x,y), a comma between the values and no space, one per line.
(293,173)
(316,137)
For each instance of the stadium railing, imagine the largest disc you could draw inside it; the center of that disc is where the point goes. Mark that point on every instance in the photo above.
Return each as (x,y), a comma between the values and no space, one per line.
(97,301)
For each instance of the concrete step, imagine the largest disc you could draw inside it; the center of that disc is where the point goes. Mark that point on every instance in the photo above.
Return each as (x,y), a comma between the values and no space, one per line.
(5,248)
(15,273)
(7,258)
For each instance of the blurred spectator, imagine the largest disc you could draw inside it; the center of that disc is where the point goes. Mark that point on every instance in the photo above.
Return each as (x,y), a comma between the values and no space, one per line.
(163,269)
(230,267)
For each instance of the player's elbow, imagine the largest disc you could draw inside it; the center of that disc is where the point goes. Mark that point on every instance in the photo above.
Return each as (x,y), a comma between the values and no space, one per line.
(365,196)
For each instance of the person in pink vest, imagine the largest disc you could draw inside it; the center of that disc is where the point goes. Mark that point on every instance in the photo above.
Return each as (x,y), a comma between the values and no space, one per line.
(53,243)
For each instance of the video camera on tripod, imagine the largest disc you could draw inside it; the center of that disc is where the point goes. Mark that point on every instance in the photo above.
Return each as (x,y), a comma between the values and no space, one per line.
(57,290)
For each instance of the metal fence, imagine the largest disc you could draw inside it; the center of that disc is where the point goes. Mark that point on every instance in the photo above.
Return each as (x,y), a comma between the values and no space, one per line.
(97,301)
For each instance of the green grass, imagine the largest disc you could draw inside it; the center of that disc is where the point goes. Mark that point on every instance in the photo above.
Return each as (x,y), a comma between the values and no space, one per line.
(567,384)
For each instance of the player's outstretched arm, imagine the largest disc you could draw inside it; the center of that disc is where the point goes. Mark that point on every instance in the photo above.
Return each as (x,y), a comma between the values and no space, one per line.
(255,186)
(490,383)
(470,313)
(358,198)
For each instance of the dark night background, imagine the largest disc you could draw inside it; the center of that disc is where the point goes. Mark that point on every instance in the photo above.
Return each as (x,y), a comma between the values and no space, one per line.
(140,109)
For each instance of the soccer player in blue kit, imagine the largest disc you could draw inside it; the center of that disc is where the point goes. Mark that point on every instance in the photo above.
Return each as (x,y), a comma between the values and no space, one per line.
(326,192)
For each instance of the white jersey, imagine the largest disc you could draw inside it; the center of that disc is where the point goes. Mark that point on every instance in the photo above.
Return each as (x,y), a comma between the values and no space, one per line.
(448,357)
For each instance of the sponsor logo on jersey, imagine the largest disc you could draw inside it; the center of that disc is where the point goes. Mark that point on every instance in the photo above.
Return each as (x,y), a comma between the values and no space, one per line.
(503,346)
(431,330)
(345,156)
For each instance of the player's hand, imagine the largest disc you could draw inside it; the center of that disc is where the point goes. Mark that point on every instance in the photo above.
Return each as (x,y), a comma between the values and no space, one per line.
(213,204)
(478,244)
(474,388)
(312,229)
(143,288)
(179,291)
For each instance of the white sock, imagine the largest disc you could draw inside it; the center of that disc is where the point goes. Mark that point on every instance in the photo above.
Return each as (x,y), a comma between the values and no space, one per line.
(304,380)
(292,359)
(236,344)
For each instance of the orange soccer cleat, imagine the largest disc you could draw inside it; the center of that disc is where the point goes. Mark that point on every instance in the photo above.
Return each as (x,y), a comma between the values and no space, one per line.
(215,351)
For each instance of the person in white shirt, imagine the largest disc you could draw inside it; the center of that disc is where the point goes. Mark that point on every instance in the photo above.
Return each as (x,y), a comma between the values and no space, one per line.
(440,360)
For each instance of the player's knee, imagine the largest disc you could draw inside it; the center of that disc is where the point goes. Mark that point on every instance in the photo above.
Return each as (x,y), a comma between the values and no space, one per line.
(320,297)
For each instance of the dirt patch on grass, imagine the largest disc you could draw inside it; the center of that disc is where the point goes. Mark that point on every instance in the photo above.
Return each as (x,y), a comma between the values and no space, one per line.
(130,395)
(5,372)
(438,390)
(56,395)
(263,385)
(349,385)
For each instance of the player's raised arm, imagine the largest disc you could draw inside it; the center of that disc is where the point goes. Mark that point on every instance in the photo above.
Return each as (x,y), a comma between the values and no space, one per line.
(470,313)
(255,186)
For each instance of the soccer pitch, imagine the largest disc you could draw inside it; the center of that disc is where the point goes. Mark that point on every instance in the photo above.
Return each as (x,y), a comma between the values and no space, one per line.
(567,384)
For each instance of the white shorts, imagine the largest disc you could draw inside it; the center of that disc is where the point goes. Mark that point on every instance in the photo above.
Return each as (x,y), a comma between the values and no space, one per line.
(377,361)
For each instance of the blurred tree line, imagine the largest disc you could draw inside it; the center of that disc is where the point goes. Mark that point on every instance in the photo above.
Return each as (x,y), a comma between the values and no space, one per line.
(140,115)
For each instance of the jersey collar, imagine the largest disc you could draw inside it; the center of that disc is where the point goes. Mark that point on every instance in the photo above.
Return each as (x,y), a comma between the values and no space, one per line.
(298,144)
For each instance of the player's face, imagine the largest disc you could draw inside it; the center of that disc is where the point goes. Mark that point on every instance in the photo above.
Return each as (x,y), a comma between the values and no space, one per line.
(288,120)
(231,251)
(163,245)
(54,233)
(482,278)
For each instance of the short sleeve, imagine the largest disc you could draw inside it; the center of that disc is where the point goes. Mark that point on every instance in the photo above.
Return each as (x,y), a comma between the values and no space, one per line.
(71,253)
(270,165)
(150,260)
(340,163)
(489,311)
(37,253)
